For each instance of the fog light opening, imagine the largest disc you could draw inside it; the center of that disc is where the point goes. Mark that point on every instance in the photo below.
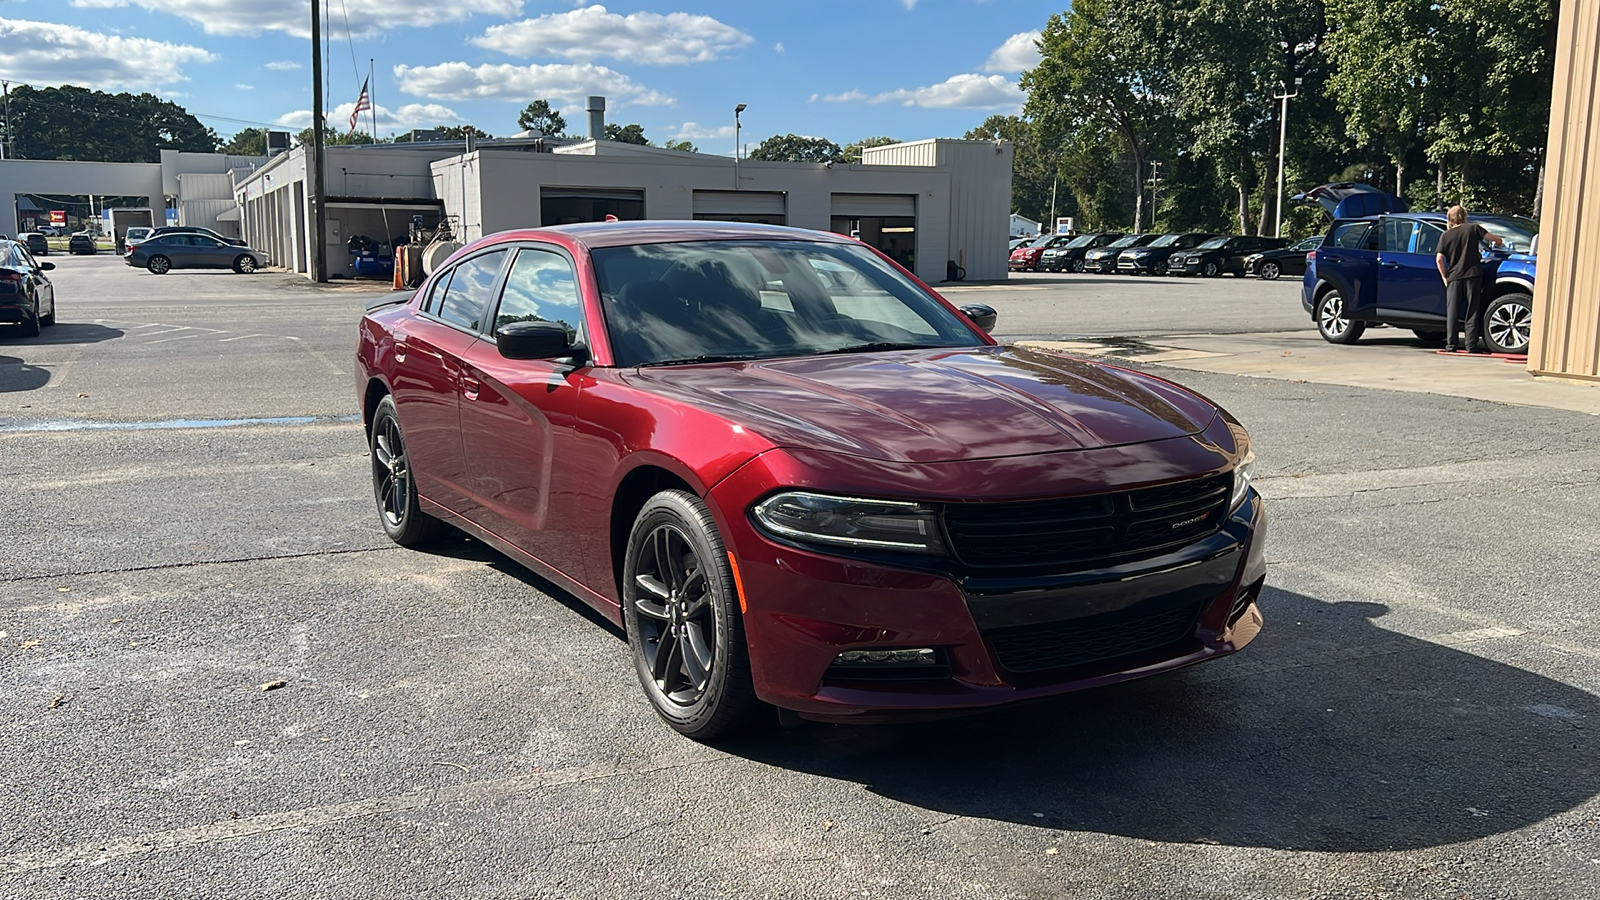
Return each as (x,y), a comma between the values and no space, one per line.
(921,656)
(890,663)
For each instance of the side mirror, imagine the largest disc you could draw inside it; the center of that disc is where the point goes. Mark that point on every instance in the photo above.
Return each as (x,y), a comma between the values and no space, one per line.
(47,267)
(981,315)
(538,340)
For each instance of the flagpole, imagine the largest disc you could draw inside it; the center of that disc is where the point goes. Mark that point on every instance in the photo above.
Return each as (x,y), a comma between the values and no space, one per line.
(372,98)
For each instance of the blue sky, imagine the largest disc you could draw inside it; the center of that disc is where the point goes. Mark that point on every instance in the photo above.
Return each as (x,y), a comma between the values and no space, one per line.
(909,69)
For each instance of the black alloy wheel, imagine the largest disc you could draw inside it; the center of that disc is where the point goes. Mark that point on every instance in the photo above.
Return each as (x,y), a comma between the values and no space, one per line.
(245,264)
(1210,269)
(159,265)
(1270,270)
(1334,322)
(681,611)
(393,485)
(1159,267)
(1077,265)
(1508,323)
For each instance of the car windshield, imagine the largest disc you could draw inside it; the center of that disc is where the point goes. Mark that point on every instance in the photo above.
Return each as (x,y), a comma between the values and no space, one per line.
(1081,240)
(1128,241)
(1517,232)
(1042,240)
(1166,240)
(709,301)
(1213,244)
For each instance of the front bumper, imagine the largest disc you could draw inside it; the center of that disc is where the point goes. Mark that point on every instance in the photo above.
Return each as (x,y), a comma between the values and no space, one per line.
(1000,637)
(1136,264)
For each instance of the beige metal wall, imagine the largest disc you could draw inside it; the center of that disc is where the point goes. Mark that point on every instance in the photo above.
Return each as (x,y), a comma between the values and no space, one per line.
(1566,295)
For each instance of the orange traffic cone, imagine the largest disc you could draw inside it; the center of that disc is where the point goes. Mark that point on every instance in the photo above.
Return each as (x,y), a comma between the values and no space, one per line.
(399,277)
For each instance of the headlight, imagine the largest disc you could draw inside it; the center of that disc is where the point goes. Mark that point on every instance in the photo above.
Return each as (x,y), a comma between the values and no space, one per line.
(1242,473)
(851,522)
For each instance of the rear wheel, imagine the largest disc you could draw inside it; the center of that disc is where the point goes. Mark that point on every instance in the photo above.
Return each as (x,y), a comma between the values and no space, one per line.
(681,611)
(30,325)
(1508,323)
(393,485)
(1270,270)
(1334,322)
(159,265)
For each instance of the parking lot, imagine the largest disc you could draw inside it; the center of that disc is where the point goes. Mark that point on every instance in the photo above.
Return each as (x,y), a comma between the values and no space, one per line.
(188,518)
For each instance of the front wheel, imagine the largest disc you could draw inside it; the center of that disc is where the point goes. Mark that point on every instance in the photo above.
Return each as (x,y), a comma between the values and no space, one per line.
(1210,270)
(245,264)
(681,611)
(1334,322)
(1508,323)
(1077,266)
(393,484)
(1159,267)
(159,265)
(1270,271)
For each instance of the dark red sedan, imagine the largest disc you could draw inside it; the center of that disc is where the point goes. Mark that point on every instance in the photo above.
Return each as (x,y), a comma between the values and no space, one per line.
(795,474)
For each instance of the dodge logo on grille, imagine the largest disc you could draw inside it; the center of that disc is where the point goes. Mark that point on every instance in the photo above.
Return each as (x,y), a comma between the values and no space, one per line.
(1194,521)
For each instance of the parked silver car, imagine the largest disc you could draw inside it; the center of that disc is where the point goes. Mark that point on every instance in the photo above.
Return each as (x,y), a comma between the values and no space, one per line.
(164,252)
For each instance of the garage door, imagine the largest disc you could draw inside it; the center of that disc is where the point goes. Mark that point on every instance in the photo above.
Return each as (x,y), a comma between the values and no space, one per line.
(739,203)
(874,204)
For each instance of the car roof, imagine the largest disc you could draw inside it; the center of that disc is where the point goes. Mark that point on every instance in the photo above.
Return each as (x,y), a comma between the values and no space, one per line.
(660,231)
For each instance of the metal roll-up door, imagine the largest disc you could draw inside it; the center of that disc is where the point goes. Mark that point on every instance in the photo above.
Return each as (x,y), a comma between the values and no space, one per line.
(874,204)
(739,203)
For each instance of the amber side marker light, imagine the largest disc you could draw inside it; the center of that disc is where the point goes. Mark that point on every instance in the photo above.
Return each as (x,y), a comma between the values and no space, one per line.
(738,583)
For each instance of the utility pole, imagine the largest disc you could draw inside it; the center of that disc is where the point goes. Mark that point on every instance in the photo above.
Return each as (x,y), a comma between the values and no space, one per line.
(319,193)
(5,144)
(736,153)
(1283,133)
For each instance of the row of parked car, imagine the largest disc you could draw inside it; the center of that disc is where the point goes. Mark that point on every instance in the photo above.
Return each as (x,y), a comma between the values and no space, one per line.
(1155,253)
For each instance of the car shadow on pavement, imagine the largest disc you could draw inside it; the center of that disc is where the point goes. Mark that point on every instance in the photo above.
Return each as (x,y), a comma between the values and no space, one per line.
(64,333)
(462,546)
(17,376)
(1329,733)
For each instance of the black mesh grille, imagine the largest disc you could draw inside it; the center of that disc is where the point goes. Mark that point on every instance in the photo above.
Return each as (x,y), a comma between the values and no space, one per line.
(1081,531)
(1060,645)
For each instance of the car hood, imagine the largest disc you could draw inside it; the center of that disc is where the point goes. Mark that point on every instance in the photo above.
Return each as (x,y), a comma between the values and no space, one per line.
(936,405)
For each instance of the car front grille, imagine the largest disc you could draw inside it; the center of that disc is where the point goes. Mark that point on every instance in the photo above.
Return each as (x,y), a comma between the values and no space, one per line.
(1083,532)
(1083,642)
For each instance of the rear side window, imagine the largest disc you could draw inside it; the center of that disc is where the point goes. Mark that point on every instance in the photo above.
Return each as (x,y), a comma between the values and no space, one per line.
(541,287)
(1350,235)
(471,289)
(1397,235)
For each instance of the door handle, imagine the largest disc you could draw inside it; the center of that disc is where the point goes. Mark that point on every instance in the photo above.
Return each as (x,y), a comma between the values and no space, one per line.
(1332,259)
(1392,265)
(399,350)
(470,387)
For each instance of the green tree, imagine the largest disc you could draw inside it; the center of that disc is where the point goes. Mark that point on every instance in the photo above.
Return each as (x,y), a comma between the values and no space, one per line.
(77,123)
(460,132)
(681,145)
(626,134)
(247,142)
(797,148)
(852,152)
(1033,171)
(335,137)
(538,116)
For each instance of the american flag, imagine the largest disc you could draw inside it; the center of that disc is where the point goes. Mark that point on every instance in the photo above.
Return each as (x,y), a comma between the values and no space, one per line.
(363,103)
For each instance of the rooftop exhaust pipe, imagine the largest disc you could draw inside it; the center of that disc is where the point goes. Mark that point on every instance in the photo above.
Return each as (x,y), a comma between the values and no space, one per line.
(597,117)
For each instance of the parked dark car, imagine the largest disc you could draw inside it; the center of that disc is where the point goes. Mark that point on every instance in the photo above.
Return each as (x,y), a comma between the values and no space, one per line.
(1380,270)
(186,250)
(1104,259)
(1069,256)
(27,298)
(1287,261)
(794,476)
(1026,257)
(1155,257)
(194,229)
(37,243)
(1221,255)
(82,243)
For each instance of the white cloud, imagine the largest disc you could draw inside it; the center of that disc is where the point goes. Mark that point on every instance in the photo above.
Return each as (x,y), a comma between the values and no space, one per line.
(969,91)
(846,97)
(45,52)
(558,83)
(778,47)
(585,35)
(283,65)
(407,117)
(233,17)
(694,131)
(1019,53)
(909,4)
(245,87)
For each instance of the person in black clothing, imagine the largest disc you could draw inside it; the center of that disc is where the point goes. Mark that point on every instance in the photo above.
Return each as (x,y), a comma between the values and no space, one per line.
(1460,262)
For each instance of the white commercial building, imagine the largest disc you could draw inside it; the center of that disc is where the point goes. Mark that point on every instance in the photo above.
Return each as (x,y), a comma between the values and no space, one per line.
(198,186)
(934,205)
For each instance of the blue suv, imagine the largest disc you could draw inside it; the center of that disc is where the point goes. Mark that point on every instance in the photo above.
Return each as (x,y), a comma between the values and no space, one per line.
(1379,270)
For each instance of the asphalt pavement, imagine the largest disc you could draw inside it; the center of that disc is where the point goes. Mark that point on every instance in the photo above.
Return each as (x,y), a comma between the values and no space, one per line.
(187,519)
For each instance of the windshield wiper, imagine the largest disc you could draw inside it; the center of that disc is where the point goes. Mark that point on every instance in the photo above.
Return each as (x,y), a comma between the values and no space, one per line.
(709,358)
(883,345)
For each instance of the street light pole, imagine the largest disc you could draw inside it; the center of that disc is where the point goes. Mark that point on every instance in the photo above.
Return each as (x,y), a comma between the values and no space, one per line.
(736,111)
(1283,133)
(319,192)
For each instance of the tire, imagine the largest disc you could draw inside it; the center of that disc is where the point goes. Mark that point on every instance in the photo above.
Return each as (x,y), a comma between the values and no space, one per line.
(1210,270)
(1332,323)
(1077,266)
(1159,267)
(159,265)
(678,594)
(1270,271)
(393,486)
(30,325)
(49,320)
(1508,323)
(1429,338)
(245,264)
